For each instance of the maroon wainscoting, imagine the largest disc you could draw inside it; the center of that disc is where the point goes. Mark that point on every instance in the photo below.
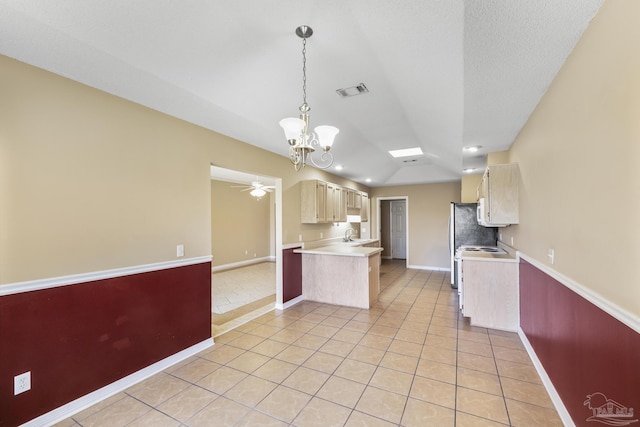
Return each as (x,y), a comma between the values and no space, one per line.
(78,338)
(583,349)
(291,275)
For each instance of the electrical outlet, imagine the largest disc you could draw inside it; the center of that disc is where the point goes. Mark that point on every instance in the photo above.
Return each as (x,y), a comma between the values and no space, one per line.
(299,237)
(321,235)
(21,383)
(512,241)
(552,256)
(179,250)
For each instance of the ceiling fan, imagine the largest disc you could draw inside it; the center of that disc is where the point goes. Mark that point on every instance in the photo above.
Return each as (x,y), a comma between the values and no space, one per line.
(257,189)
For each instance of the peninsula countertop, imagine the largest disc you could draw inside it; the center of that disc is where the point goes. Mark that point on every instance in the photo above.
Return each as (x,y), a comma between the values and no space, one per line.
(339,248)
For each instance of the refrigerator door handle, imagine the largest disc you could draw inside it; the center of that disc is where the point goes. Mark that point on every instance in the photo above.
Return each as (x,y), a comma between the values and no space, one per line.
(449,233)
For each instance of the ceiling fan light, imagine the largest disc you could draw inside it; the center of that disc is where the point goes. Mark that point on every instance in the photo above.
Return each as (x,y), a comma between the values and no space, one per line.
(258,192)
(326,135)
(292,128)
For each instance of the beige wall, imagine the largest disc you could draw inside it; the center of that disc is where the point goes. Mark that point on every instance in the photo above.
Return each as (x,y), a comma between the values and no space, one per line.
(497,158)
(428,216)
(470,185)
(578,156)
(239,223)
(90,182)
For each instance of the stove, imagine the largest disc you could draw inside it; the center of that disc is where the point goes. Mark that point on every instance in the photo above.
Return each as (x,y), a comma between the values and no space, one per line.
(485,249)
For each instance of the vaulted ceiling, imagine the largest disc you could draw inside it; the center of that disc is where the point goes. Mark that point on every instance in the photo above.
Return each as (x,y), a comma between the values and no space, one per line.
(442,75)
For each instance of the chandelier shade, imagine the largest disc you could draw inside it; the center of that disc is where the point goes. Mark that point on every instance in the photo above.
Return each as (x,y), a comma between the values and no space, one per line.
(326,134)
(292,128)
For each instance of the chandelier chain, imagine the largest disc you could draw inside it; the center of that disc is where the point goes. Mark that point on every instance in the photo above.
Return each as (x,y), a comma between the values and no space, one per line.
(304,72)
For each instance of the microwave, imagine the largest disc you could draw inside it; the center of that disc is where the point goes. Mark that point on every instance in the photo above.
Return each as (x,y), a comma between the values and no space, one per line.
(480,211)
(481,215)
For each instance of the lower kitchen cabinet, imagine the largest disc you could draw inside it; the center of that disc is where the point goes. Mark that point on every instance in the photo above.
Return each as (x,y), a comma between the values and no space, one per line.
(490,293)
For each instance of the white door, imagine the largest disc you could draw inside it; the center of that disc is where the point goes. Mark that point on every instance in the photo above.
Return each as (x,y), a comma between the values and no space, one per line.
(398,229)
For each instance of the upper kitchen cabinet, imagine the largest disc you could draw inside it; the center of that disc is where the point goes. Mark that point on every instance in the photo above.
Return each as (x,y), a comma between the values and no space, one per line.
(498,196)
(364,208)
(313,201)
(322,202)
(354,199)
(336,203)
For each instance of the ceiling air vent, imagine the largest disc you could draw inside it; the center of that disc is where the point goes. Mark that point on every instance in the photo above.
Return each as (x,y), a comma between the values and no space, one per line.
(352,91)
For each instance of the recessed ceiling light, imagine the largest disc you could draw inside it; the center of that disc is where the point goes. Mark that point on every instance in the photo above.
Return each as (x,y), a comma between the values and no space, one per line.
(416,151)
(368,180)
(469,170)
(339,167)
(473,148)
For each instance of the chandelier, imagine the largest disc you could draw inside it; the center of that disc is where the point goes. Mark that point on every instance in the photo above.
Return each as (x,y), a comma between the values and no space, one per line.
(302,143)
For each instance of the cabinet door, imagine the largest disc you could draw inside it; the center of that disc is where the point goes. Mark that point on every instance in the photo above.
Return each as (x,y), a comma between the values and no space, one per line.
(342,212)
(333,193)
(364,207)
(313,198)
(357,204)
(351,198)
(321,201)
(490,294)
(503,194)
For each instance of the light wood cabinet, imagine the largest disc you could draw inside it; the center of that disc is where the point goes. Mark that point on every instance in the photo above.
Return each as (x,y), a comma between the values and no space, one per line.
(352,281)
(313,202)
(498,195)
(490,294)
(364,207)
(322,202)
(354,199)
(342,217)
(336,203)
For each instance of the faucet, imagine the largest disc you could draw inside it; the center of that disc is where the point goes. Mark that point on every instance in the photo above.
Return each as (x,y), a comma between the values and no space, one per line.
(347,235)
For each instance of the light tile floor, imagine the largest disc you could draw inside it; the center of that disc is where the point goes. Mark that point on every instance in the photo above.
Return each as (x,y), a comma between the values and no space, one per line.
(234,288)
(411,361)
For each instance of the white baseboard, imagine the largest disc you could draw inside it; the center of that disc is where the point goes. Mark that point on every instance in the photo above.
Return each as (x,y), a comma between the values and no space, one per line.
(242,263)
(290,303)
(82,403)
(546,381)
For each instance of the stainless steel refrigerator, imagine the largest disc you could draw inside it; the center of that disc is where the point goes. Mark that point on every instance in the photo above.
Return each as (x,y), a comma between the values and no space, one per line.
(464,230)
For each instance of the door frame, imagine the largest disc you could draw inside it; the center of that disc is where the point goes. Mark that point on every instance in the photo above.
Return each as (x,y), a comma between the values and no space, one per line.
(277,221)
(378,224)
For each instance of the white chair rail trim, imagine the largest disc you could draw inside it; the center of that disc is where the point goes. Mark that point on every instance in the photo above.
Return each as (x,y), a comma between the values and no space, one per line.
(54,282)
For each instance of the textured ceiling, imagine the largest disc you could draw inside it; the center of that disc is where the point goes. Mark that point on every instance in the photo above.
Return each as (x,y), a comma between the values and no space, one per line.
(442,75)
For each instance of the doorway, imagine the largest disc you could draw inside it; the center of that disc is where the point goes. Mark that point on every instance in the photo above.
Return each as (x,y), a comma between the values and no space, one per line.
(392,222)
(398,229)
(245,241)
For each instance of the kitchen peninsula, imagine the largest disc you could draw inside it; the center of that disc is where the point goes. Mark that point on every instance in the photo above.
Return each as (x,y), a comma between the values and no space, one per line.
(342,273)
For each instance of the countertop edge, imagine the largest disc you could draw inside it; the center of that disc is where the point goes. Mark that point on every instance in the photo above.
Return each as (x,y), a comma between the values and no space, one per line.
(340,250)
